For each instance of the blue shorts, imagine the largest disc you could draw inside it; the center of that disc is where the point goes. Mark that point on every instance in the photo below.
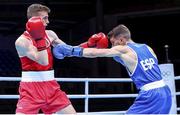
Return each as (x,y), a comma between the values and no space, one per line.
(154,101)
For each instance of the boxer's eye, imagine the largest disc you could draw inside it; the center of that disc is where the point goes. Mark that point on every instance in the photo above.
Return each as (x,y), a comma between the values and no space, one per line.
(45,17)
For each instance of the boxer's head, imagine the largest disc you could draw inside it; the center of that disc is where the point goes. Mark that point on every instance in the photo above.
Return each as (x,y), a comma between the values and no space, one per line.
(39,10)
(119,35)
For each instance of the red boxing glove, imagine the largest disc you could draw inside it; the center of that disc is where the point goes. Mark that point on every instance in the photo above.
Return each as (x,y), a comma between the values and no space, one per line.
(84,45)
(94,40)
(103,42)
(36,29)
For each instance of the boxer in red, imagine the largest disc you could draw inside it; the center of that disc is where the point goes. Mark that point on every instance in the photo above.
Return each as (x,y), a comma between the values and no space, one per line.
(38,88)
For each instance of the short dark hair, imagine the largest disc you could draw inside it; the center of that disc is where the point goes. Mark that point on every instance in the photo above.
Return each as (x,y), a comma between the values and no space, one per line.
(35,8)
(120,30)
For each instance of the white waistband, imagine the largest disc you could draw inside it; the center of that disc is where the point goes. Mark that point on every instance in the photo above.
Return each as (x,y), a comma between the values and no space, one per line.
(37,76)
(153,85)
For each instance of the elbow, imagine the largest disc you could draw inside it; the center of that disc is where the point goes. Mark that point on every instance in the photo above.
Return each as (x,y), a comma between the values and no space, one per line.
(42,58)
(43,62)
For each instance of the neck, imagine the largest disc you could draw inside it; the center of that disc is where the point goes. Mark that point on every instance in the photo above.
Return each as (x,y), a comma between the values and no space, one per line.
(130,41)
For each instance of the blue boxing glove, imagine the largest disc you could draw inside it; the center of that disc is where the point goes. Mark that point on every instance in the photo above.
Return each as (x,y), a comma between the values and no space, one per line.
(63,50)
(58,53)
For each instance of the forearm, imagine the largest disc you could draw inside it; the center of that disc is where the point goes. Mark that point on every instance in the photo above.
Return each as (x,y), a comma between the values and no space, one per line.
(89,53)
(54,38)
(43,57)
(40,57)
(61,51)
(56,42)
(93,53)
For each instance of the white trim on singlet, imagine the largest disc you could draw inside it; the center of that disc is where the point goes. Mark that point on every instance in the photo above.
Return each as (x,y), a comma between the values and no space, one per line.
(153,85)
(130,74)
(37,76)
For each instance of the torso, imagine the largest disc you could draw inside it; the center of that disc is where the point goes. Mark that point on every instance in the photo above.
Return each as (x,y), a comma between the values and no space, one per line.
(30,65)
(141,64)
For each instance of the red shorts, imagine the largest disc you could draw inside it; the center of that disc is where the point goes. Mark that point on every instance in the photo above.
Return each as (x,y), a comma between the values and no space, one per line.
(45,95)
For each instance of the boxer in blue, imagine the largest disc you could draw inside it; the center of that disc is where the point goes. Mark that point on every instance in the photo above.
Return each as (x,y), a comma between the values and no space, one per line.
(141,64)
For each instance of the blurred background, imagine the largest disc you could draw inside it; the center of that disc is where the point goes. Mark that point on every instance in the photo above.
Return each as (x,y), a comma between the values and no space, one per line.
(154,22)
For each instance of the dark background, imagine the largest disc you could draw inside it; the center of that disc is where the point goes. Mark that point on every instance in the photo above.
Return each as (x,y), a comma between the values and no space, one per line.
(155,22)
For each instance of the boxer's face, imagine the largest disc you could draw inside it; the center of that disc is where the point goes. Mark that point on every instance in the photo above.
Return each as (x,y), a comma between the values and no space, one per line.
(44,15)
(119,40)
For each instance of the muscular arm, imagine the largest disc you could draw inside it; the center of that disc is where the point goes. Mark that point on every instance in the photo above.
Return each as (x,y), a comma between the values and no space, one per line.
(54,38)
(126,55)
(93,52)
(24,47)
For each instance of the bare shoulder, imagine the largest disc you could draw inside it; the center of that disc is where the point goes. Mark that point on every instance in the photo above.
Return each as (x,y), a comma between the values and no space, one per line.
(22,42)
(51,33)
(120,48)
(53,37)
(151,50)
